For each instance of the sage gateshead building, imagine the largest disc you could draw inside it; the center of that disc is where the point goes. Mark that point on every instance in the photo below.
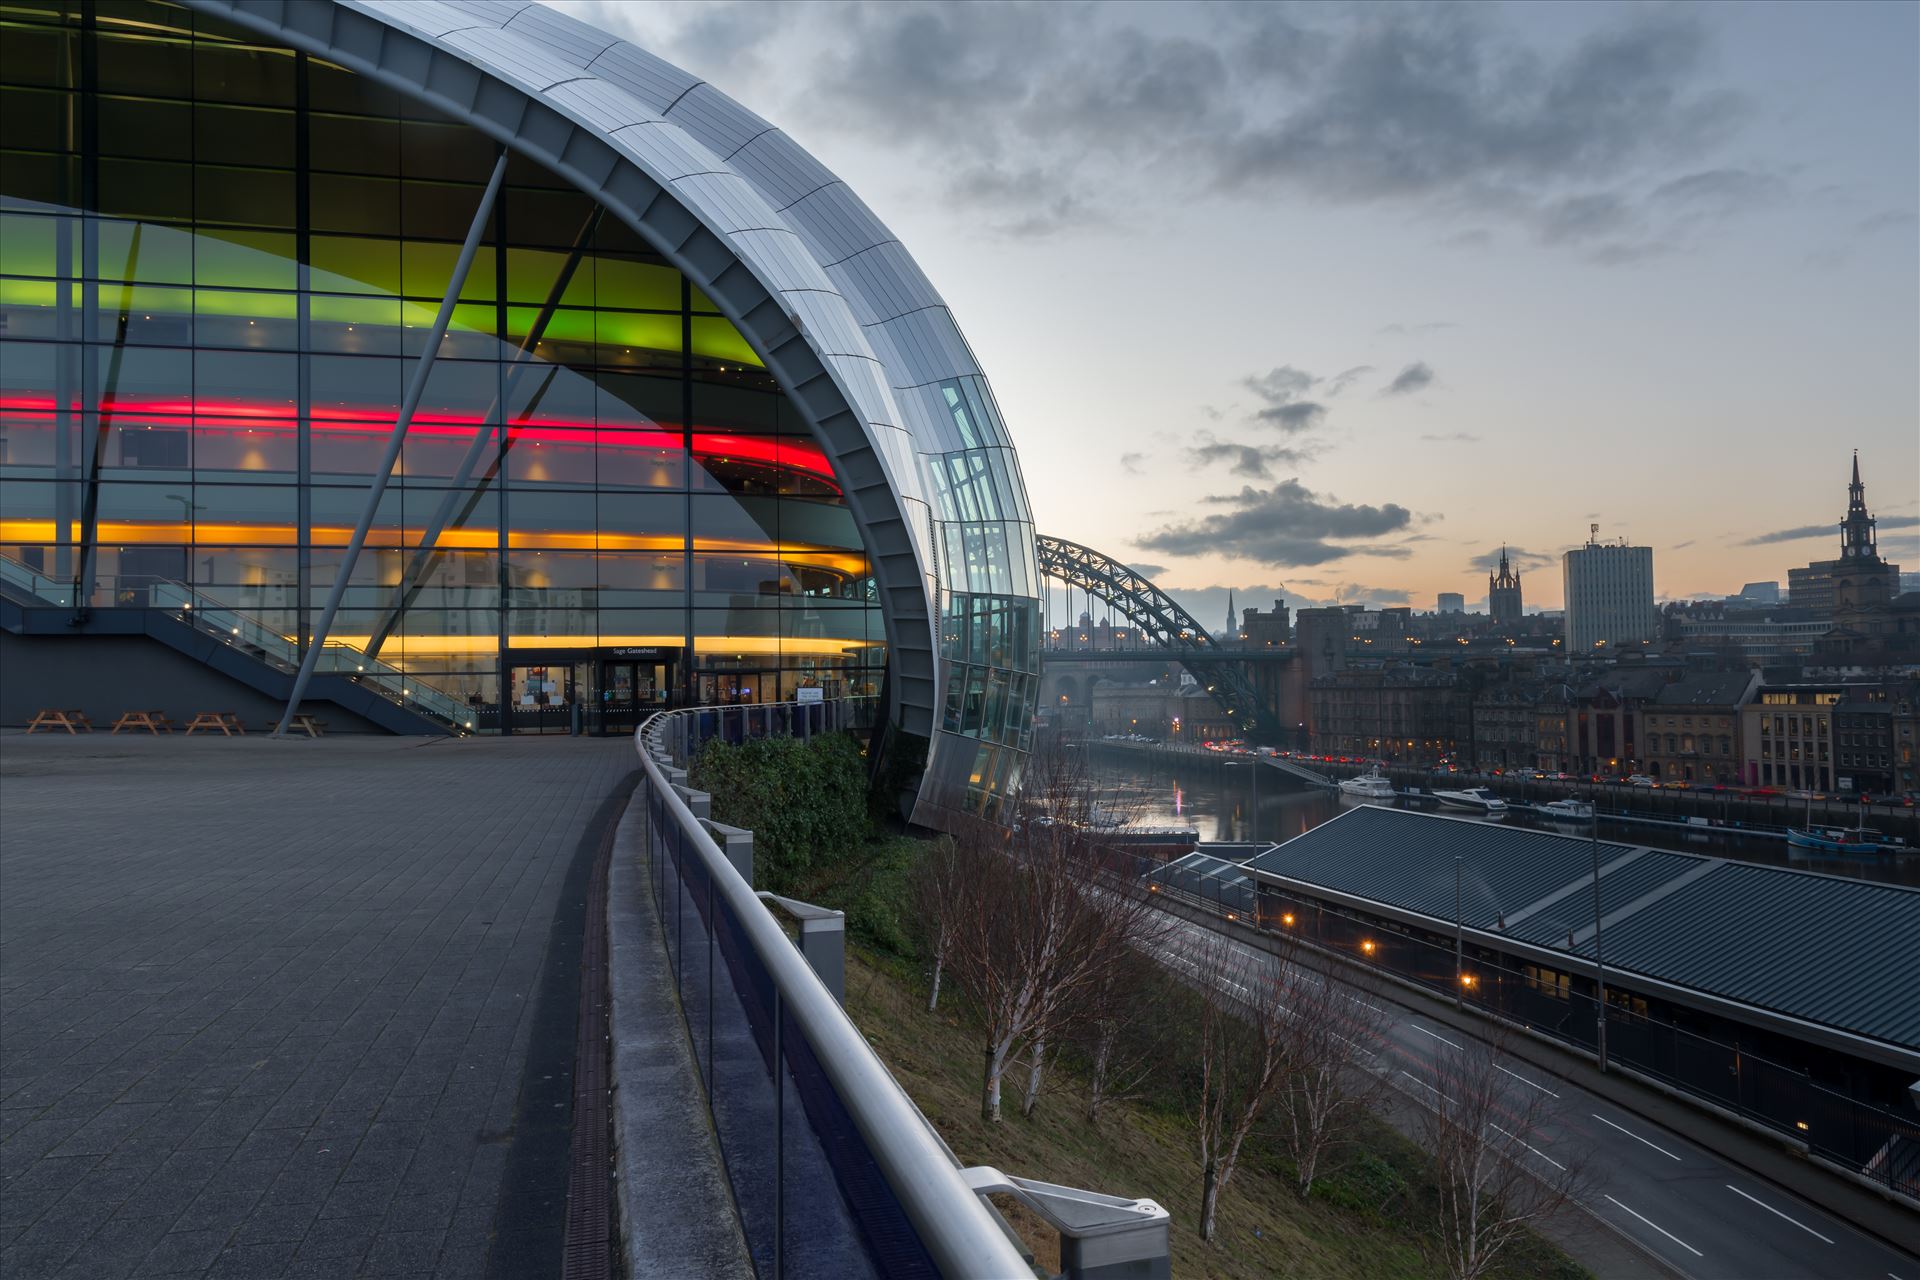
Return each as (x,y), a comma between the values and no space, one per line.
(696,430)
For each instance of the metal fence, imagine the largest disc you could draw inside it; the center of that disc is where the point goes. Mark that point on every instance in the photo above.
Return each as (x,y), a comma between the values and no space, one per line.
(834,1170)
(1870,1140)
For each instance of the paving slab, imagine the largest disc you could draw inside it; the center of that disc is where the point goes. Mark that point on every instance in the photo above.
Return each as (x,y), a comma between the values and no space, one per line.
(267,1007)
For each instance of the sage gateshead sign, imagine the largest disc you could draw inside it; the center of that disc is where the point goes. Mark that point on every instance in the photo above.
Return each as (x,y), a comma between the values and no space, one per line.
(476,345)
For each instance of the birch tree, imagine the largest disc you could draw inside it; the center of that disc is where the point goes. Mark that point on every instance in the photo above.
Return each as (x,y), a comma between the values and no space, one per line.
(1498,1173)
(1334,1034)
(1243,1011)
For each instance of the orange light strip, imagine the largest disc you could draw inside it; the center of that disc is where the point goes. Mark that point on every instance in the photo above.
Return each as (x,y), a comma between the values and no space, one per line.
(208,533)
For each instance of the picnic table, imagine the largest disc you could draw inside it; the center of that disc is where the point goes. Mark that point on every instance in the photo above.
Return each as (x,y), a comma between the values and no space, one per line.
(154,722)
(51,719)
(312,726)
(226,722)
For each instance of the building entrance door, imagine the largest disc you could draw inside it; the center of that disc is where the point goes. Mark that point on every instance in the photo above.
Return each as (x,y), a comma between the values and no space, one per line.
(630,691)
(547,697)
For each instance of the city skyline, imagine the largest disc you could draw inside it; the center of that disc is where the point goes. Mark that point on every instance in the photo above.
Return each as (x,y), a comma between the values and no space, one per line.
(1405,284)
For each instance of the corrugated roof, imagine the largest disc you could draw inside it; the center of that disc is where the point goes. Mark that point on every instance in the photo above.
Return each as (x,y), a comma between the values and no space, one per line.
(1406,860)
(1839,952)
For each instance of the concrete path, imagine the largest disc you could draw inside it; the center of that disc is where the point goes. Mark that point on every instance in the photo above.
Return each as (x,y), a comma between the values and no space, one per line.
(290,1008)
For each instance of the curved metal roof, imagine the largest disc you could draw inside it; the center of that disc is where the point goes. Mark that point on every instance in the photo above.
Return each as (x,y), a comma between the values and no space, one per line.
(828,296)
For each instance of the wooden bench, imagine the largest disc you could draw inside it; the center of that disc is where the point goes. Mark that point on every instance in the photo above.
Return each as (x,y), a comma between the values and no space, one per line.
(154,722)
(226,722)
(312,726)
(51,719)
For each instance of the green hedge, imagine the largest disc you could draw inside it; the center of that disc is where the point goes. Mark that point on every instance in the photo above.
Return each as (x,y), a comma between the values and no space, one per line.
(805,800)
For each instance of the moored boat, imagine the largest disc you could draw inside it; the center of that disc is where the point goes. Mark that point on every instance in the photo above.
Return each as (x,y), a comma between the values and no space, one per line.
(1568,810)
(1846,840)
(1371,785)
(1478,800)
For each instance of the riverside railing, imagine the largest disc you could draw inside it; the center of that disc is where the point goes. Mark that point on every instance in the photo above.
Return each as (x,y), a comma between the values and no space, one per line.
(834,1170)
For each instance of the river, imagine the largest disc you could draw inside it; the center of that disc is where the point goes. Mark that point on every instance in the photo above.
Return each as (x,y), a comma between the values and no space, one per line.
(1228,809)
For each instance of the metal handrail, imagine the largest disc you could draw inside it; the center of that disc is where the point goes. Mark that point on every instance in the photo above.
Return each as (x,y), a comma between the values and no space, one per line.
(959,1231)
(34,583)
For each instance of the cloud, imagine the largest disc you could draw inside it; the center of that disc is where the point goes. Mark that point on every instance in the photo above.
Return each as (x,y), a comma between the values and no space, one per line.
(1451,437)
(1287,524)
(1253,461)
(1417,376)
(1347,377)
(1887,220)
(1831,530)
(1044,114)
(1440,108)
(1283,390)
(1720,192)
(1519,558)
(1133,463)
(1415,330)
(1148,570)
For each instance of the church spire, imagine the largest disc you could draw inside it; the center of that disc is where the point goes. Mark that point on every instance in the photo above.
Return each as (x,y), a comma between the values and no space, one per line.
(1233,622)
(1857,530)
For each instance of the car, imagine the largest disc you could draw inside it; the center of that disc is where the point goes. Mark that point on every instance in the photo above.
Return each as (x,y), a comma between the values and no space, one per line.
(1642,780)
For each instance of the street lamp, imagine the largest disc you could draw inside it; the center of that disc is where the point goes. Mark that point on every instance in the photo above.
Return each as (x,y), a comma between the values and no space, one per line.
(1459,963)
(1599,962)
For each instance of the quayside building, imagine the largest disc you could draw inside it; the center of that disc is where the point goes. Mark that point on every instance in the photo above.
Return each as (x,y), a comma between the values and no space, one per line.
(699,431)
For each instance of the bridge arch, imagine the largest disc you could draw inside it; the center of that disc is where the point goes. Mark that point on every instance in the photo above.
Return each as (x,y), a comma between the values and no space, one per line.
(1167,626)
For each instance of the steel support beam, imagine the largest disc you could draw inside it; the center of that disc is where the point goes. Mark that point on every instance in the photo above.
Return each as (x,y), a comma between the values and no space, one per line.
(1161,619)
(414,576)
(416,387)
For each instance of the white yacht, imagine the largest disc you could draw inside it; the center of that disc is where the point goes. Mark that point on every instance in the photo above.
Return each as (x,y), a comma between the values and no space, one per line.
(1369,786)
(1568,810)
(1478,800)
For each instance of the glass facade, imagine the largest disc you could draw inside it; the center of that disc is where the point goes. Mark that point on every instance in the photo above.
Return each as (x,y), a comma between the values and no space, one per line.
(989,600)
(218,263)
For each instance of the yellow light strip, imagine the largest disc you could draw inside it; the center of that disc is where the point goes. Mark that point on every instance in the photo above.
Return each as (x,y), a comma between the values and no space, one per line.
(399,647)
(208,533)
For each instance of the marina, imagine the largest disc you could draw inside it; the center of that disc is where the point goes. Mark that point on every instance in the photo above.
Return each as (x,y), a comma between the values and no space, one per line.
(1235,804)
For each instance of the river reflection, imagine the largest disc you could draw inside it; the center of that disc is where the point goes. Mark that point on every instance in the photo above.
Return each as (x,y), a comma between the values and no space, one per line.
(1260,804)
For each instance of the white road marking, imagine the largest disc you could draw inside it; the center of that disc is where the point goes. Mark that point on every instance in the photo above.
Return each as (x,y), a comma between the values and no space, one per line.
(1424,1085)
(1529,1146)
(1663,1231)
(1356,1044)
(1631,1134)
(1442,1039)
(1523,1080)
(1776,1213)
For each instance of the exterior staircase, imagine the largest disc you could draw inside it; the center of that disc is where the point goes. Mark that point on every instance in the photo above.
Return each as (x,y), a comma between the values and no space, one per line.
(238,646)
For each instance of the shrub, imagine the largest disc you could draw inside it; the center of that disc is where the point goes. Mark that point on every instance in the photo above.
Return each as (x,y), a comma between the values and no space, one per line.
(805,800)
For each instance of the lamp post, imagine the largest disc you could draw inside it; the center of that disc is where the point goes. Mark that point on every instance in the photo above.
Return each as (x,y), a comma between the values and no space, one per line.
(1599,962)
(1459,960)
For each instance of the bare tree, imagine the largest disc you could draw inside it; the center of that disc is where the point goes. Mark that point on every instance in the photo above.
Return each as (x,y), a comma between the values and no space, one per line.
(1243,1012)
(1036,1064)
(1031,923)
(1496,1175)
(936,898)
(1333,1035)
(1123,1033)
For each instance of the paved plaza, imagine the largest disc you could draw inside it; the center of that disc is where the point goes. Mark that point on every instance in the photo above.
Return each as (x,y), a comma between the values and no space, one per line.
(291,1008)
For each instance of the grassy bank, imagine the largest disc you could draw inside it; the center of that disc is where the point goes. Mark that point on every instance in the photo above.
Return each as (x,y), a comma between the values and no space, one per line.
(816,842)
(1356,1226)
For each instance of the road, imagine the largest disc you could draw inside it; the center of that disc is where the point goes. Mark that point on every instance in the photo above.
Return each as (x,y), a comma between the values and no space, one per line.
(1700,1216)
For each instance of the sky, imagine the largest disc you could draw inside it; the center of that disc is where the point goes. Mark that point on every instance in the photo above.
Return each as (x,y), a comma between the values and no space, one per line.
(1329,302)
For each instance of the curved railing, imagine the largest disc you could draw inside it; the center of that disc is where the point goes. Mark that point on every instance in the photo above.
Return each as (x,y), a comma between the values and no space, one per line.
(776,1050)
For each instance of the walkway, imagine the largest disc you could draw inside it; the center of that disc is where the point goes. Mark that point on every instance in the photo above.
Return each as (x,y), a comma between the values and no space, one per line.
(290,1008)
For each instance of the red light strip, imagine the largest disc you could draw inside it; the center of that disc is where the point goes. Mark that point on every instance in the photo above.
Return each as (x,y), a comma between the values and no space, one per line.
(227,415)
